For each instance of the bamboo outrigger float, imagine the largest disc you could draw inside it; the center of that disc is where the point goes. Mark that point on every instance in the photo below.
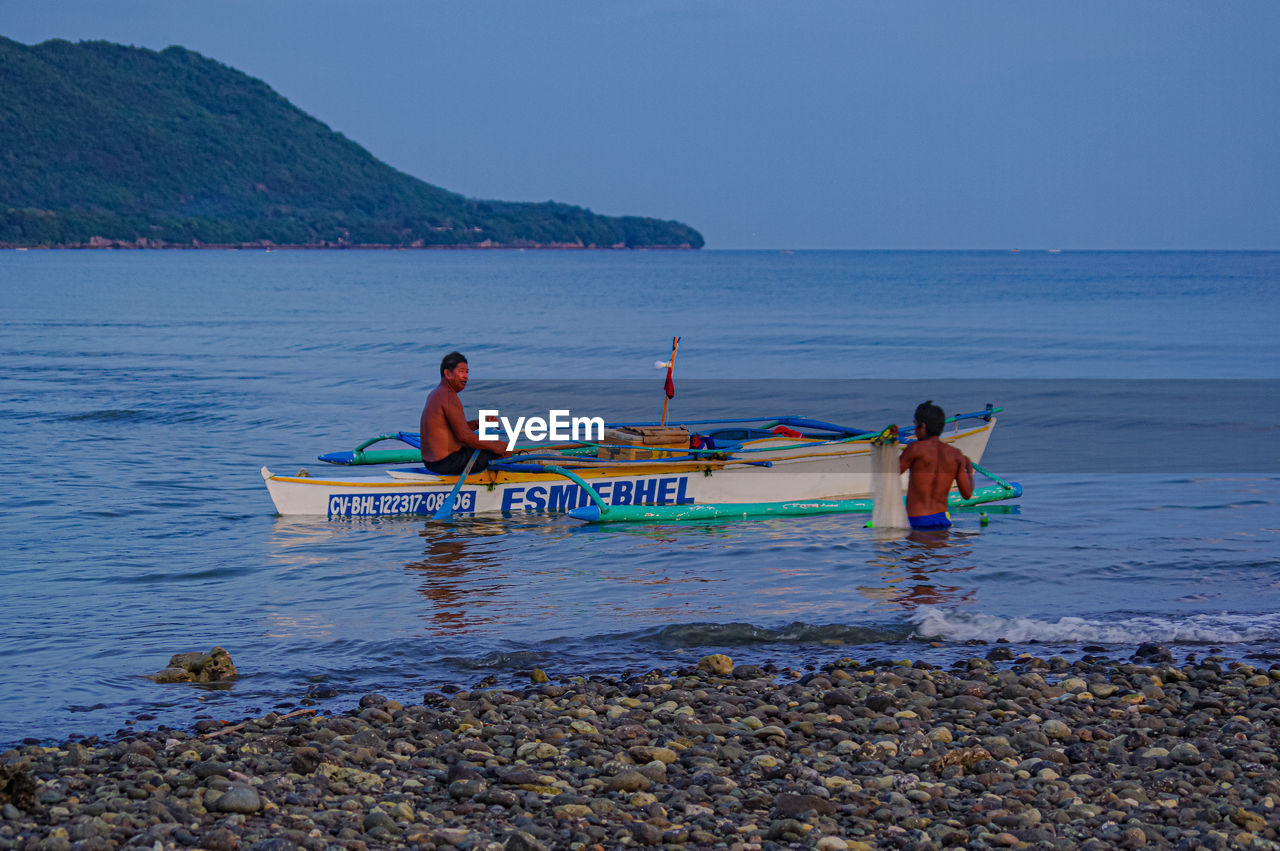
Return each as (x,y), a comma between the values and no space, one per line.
(697,469)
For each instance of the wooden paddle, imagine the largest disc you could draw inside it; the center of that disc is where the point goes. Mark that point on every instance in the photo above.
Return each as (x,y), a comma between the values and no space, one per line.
(445,511)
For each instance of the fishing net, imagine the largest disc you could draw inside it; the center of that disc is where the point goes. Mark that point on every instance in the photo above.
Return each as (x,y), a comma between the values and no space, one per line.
(888,510)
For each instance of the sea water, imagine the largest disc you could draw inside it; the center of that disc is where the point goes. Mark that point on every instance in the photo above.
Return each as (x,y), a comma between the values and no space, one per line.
(141,391)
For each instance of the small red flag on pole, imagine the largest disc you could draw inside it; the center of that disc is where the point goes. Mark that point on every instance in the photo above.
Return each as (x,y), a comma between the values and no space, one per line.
(669,387)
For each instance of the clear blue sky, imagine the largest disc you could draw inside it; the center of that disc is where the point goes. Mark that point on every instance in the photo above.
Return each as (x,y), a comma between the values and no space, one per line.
(785,124)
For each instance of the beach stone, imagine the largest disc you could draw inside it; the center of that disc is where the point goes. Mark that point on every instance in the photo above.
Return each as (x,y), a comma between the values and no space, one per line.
(1250,821)
(219,839)
(172,675)
(537,675)
(655,771)
(878,701)
(53,795)
(1055,729)
(378,819)
(219,667)
(793,806)
(1152,653)
(627,781)
(786,828)
(305,761)
(205,770)
(192,662)
(466,788)
(454,836)
(838,697)
(1186,753)
(238,799)
(520,840)
(462,771)
(277,843)
(646,834)
(643,754)
(500,798)
(537,750)
(17,787)
(1134,837)
(88,829)
(717,664)
(573,811)
(214,666)
(373,715)
(519,776)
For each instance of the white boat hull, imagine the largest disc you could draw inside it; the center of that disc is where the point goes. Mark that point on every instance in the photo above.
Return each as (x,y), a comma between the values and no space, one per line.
(826,470)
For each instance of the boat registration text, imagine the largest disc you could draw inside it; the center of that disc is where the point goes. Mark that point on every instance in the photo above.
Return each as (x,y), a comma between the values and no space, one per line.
(360,505)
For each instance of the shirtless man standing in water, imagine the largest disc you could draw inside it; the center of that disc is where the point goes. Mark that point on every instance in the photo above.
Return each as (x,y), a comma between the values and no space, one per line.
(934,465)
(448,438)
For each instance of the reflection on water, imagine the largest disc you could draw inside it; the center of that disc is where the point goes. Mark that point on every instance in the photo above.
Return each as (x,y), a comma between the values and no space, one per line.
(451,555)
(910,568)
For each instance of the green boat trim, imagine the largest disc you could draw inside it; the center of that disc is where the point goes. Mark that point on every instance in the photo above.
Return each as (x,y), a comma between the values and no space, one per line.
(598,513)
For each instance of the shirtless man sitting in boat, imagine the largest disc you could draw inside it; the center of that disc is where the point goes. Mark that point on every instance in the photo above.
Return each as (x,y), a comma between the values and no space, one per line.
(934,465)
(448,438)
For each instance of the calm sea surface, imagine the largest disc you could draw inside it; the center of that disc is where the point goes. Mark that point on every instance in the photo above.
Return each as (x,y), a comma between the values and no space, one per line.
(141,391)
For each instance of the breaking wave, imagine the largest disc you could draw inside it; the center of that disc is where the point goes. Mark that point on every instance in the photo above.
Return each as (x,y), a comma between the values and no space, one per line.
(1220,628)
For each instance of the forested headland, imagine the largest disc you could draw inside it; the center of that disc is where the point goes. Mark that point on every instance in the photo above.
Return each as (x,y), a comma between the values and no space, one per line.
(103,145)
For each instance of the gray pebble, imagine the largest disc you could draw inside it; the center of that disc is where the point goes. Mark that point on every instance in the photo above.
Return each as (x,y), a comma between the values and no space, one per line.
(238,799)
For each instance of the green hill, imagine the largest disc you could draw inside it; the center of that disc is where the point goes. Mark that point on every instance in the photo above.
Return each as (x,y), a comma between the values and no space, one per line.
(101,143)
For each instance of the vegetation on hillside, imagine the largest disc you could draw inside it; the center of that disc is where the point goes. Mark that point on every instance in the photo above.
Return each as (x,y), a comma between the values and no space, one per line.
(105,143)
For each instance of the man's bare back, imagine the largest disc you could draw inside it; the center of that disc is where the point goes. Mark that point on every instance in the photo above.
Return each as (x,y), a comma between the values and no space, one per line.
(934,465)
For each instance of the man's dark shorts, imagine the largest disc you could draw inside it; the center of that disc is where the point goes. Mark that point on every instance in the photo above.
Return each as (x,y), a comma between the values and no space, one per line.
(455,462)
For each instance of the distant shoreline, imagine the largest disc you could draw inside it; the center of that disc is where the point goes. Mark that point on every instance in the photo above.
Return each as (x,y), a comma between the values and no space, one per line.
(258,246)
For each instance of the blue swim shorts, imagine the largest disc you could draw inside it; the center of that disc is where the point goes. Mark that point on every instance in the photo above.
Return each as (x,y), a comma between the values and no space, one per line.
(941,520)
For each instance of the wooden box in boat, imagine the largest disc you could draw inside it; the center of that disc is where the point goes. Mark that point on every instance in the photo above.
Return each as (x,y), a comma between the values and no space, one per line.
(629,443)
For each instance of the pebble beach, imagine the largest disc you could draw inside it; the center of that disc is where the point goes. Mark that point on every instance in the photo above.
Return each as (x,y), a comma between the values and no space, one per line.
(994,751)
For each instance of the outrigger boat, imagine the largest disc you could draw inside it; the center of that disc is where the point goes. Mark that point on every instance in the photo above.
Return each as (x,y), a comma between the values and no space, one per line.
(640,472)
